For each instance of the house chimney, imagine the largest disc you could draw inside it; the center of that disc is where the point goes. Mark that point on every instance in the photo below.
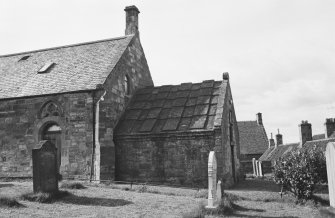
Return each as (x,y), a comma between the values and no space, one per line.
(279,139)
(271,141)
(305,129)
(259,118)
(131,19)
(329,126)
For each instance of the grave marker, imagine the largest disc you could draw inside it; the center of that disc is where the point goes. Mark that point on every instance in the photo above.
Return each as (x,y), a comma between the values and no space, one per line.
(212,170)
(330,159)
(45,169)
(260,168)
(257,168)
(254,166)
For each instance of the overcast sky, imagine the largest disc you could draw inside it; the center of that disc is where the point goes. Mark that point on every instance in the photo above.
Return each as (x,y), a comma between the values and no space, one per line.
(280,54)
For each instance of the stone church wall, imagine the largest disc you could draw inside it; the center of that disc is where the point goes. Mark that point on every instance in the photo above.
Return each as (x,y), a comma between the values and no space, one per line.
(21,123)
(132,64)
(180,159)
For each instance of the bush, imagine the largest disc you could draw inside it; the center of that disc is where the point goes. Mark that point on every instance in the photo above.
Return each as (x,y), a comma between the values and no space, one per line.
(300,171)
(72,185)
(44,197)
(9,202)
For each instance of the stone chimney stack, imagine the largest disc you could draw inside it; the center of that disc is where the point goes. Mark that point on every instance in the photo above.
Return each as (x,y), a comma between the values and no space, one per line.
(271,141)
(131,20)
(305,129)
(259,118)
(279,139)
(329,126)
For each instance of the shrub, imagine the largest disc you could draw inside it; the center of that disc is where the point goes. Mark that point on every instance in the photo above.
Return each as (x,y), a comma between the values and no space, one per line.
(44,197)
(300,171)
(72,185)
(143,188)
(9,202)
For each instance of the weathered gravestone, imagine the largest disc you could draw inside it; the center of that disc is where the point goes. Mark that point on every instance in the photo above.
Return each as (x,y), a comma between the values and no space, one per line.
(260,171)
(218,191)
(212,170)
(45,170)
(257,168)
(330,159)
(254,166)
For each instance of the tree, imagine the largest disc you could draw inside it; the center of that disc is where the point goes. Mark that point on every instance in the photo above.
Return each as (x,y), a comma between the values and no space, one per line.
(299,171)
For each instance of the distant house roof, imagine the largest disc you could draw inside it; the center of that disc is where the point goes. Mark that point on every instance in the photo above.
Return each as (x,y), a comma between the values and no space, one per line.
(322,143)
(253,138)
(74,67)
(274,153)
(318,136)
(185,107)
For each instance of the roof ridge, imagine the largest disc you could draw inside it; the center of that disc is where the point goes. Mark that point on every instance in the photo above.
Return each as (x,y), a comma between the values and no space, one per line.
(193,83)
(66,46)
(319,140)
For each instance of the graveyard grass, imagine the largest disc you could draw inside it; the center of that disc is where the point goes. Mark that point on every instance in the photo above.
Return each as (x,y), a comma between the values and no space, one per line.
(250,198)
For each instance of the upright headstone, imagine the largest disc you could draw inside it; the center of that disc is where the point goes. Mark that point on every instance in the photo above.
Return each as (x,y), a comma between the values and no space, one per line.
(212,170)
(218,191)
(260,171)
(45,170)
(257,169)
(330,159)
(254,166)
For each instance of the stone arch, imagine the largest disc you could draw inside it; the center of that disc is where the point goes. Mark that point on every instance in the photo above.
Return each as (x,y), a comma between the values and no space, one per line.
(50,108)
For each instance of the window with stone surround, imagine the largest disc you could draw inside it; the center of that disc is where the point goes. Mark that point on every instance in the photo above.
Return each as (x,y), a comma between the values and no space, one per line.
(50,109)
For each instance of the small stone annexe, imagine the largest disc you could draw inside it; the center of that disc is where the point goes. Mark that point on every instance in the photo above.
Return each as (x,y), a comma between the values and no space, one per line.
(83,98)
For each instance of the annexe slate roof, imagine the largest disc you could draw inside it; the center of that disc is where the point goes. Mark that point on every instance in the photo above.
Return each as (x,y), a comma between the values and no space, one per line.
(322,143)
(274,153)
(253,138)
(76,67)
(185,107)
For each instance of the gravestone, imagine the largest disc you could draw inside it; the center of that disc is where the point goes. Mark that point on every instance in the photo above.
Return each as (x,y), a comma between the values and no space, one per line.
(330,159)
(212,170)
(45,170)
(260,171)
(257,169)
(254,166)
(218,191)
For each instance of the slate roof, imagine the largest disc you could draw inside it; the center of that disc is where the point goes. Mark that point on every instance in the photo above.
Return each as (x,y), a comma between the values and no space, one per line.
(77,67)
(185,107)
(319,143)
(274,153)
(318,136)
(253,138)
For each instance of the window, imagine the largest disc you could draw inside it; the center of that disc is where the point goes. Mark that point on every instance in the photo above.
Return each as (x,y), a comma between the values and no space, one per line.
(24,58)
(127,85)
(50,109)
(46,68)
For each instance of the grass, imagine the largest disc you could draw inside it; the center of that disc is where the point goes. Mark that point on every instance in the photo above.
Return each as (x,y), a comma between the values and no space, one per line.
(43,197)
(9,202)
(225,207)
(72,185)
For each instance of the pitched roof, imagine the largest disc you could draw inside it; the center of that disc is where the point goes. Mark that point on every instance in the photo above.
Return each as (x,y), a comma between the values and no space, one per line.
(253,138)
(274,153)
(318,136)
(322,143)
(76,67)
(185,107)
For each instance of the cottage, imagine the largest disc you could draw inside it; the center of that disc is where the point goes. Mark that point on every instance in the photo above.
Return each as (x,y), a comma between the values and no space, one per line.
(97,103)
(253,141)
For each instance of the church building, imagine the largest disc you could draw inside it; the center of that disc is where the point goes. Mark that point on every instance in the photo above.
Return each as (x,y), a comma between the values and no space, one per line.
(97,103)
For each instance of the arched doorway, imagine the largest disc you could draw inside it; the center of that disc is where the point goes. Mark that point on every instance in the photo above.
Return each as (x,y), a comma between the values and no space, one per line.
(52,132)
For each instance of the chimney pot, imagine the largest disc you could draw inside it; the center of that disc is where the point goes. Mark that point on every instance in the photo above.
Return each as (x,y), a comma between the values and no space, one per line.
(305,130)
(329,127)
(279,139)
(259,118)
(131,20)
(225,76)
(271,141)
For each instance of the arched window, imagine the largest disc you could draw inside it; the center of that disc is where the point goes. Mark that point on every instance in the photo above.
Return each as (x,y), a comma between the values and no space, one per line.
(127,85)
(50,109)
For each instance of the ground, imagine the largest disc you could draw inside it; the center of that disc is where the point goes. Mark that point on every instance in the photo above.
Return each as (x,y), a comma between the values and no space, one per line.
(255,198)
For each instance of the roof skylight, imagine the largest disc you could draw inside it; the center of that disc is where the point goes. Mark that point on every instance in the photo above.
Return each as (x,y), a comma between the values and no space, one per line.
(24,58)
(46,68)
